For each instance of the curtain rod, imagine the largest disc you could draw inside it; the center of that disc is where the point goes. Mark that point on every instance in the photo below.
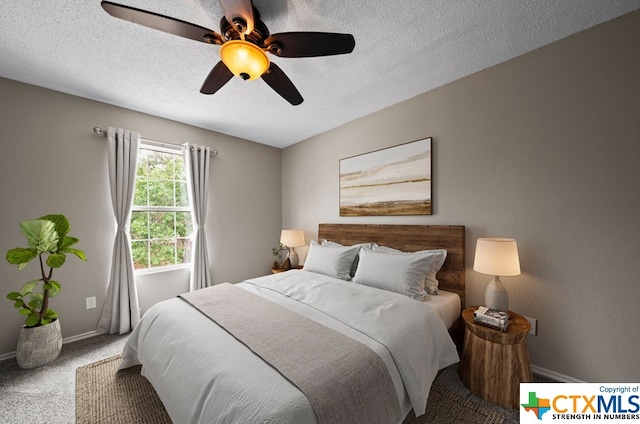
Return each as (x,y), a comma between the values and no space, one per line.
(102,132)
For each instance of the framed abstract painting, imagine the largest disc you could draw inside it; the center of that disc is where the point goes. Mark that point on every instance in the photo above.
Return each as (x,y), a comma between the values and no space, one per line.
(391,181)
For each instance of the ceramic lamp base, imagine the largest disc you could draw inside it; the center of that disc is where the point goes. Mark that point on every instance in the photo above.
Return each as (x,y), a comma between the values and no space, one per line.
(495,295)
(293,257)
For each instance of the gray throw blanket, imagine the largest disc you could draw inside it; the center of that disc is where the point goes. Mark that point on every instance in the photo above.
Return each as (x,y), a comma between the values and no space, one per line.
(344,380)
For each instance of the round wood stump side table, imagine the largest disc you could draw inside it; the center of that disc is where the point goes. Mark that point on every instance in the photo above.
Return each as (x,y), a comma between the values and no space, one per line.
(493,362)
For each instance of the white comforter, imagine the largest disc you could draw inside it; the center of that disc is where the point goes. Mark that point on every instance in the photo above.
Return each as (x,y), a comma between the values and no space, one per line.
(202,374)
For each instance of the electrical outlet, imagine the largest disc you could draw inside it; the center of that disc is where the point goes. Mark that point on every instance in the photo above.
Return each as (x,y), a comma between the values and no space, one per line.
(534,326)
(91,302)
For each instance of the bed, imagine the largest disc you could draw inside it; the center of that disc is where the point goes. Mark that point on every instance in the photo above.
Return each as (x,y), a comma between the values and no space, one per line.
(218,368)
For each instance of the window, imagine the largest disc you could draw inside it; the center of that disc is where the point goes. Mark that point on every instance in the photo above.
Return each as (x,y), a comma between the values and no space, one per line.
(161,223)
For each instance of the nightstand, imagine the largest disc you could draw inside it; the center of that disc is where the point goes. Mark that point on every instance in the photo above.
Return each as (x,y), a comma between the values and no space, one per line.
(494,363)
(279,270)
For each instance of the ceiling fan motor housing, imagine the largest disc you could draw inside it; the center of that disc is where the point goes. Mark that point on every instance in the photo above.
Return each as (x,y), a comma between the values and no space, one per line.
(234,31)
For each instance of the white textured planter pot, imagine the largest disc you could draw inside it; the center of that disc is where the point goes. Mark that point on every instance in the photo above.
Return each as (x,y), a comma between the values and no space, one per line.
(38,346)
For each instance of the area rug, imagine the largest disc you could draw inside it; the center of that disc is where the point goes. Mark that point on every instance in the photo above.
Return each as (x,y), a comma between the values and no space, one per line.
(446,406)
(106,395)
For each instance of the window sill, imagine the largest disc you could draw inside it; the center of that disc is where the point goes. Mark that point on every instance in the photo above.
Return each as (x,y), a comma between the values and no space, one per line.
(158,269)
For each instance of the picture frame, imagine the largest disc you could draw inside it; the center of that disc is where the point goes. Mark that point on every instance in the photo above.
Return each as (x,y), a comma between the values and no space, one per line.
(391,181)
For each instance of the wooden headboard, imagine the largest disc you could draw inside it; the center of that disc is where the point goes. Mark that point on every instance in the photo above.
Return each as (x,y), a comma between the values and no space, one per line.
(410,238)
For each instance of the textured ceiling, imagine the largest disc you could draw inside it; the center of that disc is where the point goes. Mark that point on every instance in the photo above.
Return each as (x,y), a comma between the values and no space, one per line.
(403,48)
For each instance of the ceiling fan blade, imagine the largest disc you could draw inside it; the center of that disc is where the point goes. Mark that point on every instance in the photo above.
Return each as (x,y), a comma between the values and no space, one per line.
(162,23)
(282,85)
(242,9)
(218,77)
(310,44)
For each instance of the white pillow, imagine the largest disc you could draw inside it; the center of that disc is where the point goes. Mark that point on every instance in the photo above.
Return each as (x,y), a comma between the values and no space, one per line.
(354,266)
(405,273)
(431,284)
(334,261)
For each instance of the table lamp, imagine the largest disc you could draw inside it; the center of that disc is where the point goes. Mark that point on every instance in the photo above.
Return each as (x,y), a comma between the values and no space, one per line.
(497,257)
(292,239)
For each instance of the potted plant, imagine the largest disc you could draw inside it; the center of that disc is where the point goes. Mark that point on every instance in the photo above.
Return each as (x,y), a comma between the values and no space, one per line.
(280,266)
(40,339)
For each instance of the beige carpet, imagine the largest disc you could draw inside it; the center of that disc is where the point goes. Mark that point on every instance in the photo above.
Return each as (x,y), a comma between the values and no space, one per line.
(104,395)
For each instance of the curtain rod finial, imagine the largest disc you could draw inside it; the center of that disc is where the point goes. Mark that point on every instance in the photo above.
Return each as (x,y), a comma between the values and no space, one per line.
(99,131)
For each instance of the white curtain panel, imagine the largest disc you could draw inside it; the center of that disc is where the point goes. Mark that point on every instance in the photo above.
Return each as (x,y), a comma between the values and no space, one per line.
(121,312)
(197,160)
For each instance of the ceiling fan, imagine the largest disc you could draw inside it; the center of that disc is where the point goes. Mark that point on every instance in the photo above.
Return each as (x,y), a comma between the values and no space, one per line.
(244,41)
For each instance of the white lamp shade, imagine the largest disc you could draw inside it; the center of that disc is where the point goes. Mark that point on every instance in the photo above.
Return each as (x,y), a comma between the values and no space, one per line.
(497,256)
(292,238)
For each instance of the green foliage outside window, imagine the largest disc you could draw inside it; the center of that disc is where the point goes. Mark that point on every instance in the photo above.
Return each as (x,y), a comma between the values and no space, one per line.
(161,223)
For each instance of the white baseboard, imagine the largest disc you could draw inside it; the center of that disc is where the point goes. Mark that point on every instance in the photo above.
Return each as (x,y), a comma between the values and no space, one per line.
(64,341)
(554,375)
(7,356)
(80,337)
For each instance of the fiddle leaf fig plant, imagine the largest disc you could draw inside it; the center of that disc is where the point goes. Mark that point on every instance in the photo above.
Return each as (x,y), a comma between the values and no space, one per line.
(46,236)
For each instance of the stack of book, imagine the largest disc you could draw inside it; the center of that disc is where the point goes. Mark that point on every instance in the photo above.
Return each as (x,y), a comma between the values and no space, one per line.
(493,318)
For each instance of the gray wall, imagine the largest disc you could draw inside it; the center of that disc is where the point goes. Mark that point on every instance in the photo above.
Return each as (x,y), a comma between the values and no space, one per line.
(544,148)
(52,162)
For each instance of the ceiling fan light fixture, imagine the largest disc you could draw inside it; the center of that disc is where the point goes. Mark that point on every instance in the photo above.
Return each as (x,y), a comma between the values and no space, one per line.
(244,59)
(244,42)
